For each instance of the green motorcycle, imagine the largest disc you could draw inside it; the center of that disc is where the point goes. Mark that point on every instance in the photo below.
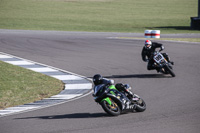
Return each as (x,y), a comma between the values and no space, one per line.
(115,102)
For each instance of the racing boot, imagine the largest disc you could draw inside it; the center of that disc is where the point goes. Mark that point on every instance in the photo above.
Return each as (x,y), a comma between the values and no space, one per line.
(171,62)
(167,58)
(126,89)
(158,69)
(130,96)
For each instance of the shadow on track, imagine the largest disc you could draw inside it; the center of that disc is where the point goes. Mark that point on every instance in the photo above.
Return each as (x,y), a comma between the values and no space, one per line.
(139,76)
(70,116)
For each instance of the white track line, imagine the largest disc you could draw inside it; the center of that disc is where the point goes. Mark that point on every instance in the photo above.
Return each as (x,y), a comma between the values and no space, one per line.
(66,77)
(19,62)
(43,69)
(78,86)
(53,100)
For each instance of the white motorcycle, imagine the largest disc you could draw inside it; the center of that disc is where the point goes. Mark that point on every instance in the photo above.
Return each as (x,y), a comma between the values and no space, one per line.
(163,63)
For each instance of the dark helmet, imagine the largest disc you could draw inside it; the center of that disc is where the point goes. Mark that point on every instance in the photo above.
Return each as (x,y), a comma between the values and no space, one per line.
(148,44)
(97,79)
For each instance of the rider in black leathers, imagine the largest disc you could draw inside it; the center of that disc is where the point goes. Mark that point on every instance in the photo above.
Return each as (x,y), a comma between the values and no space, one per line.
(147,54)
(98,79)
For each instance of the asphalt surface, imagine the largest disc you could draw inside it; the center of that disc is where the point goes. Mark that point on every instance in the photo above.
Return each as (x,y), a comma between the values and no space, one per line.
(172,103)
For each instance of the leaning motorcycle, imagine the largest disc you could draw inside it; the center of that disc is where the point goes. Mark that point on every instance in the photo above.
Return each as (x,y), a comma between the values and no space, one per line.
(161,61)
(115,102)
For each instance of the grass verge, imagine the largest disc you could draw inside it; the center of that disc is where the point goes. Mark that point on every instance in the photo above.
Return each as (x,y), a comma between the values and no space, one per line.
(168,39)
(171,16)
(19,86)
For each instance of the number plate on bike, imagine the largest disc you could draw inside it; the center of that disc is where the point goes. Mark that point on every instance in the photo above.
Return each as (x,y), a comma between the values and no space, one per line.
(158,57)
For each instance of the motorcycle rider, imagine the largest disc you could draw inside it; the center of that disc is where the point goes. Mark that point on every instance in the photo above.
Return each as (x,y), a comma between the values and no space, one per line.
(124,88)
(147,54)
(98,79)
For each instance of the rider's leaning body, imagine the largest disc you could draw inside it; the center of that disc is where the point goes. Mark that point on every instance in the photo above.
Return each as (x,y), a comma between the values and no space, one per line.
(98,80)
(147,53)
(149,49)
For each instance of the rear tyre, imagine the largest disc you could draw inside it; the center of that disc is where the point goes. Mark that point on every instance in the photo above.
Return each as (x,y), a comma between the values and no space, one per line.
(140,106)
(112,109)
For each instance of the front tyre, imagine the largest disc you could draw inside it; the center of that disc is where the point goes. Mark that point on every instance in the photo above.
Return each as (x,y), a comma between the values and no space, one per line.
(112,109)
(170,71)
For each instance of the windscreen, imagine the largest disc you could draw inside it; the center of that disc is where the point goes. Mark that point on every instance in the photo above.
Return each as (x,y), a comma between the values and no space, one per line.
(98,88)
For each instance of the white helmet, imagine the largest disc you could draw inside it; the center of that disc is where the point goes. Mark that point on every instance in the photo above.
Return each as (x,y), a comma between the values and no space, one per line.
(148,44)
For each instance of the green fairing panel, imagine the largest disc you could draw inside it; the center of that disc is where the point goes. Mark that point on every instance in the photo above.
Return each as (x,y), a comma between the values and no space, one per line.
(108,99)
(112,87)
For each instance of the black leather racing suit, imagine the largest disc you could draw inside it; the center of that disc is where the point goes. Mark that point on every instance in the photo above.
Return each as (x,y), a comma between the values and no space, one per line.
(147,55)
(120,87)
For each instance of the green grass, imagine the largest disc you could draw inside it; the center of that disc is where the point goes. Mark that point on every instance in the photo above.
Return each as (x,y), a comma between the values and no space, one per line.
(169,39)
(19,86)
(169,16)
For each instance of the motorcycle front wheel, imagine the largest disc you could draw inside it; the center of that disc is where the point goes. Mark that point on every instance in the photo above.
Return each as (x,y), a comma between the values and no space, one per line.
(170,71)
(112,109)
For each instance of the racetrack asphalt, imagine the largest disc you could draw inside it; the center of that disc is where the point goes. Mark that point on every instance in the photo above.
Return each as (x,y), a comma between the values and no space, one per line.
(172,103)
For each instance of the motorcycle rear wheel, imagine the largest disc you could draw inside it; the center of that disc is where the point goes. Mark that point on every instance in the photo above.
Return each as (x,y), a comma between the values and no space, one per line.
(141,106)
(112,109)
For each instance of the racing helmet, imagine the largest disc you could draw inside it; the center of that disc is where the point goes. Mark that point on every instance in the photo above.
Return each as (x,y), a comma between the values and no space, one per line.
(97,79)
(148,44)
